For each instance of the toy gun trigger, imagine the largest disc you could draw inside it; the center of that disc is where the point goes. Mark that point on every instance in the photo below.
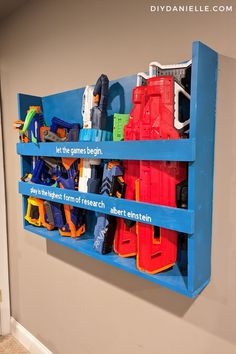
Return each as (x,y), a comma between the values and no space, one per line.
(129,223)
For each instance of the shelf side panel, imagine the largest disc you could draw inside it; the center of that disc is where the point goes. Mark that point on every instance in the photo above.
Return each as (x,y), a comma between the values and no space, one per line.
(202,129)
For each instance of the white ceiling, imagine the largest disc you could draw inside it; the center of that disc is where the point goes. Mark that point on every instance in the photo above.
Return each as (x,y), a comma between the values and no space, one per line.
(9,6)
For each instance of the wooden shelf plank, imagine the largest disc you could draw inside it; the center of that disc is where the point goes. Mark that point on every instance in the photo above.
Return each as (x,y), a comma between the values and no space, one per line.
(171,218)
(163,150)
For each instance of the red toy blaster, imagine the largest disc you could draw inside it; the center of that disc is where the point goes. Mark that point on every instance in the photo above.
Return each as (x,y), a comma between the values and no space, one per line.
(154,182)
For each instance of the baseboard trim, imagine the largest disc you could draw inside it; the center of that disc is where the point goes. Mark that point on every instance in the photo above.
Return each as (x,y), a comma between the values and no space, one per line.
(31,343)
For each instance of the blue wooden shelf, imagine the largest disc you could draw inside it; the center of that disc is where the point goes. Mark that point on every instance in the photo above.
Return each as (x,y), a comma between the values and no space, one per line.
(197,151)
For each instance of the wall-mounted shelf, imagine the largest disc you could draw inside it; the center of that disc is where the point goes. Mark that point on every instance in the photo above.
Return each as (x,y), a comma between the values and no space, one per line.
(197,151)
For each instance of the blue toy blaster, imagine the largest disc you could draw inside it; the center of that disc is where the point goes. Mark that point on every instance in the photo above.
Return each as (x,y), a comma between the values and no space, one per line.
(61,131)
(69,220)
(112,185)
(46,171)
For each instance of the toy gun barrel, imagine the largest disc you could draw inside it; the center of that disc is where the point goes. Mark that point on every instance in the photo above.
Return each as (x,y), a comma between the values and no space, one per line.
(59,123)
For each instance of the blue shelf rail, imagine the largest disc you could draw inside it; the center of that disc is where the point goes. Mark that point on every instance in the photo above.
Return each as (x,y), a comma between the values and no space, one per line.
(198,151)
(172,218)
(165,150)
(173,280)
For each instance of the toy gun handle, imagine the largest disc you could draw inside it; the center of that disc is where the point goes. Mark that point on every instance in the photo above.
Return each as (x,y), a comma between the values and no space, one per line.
(118,187)
(54,167)
(70,131)
(54,213)
(100,92)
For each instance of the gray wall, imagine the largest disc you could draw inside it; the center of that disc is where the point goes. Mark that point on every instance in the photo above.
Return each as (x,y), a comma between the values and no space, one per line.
(72,303)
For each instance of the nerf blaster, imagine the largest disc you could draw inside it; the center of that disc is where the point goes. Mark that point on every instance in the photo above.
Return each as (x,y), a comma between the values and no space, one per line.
(70,177)
(89,177)
(94,104)
(94,113)
(112,185)
(60,131)
(30,128)
(33,128)
(70,222)
(156,181)
(119,122)
(125,242)
(75,222)
(75,217)
(46,171)
(98,112)
(55,214)
(181,74)
(54,171)
(94,122)
(36,213)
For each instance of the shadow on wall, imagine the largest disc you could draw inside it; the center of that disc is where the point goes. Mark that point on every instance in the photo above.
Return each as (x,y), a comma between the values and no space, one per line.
(153,293)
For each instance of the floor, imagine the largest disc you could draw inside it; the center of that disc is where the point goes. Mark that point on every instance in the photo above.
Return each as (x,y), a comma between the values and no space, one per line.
(9,345)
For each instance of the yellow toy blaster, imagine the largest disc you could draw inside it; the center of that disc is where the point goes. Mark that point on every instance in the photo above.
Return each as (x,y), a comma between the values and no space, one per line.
(35,214)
